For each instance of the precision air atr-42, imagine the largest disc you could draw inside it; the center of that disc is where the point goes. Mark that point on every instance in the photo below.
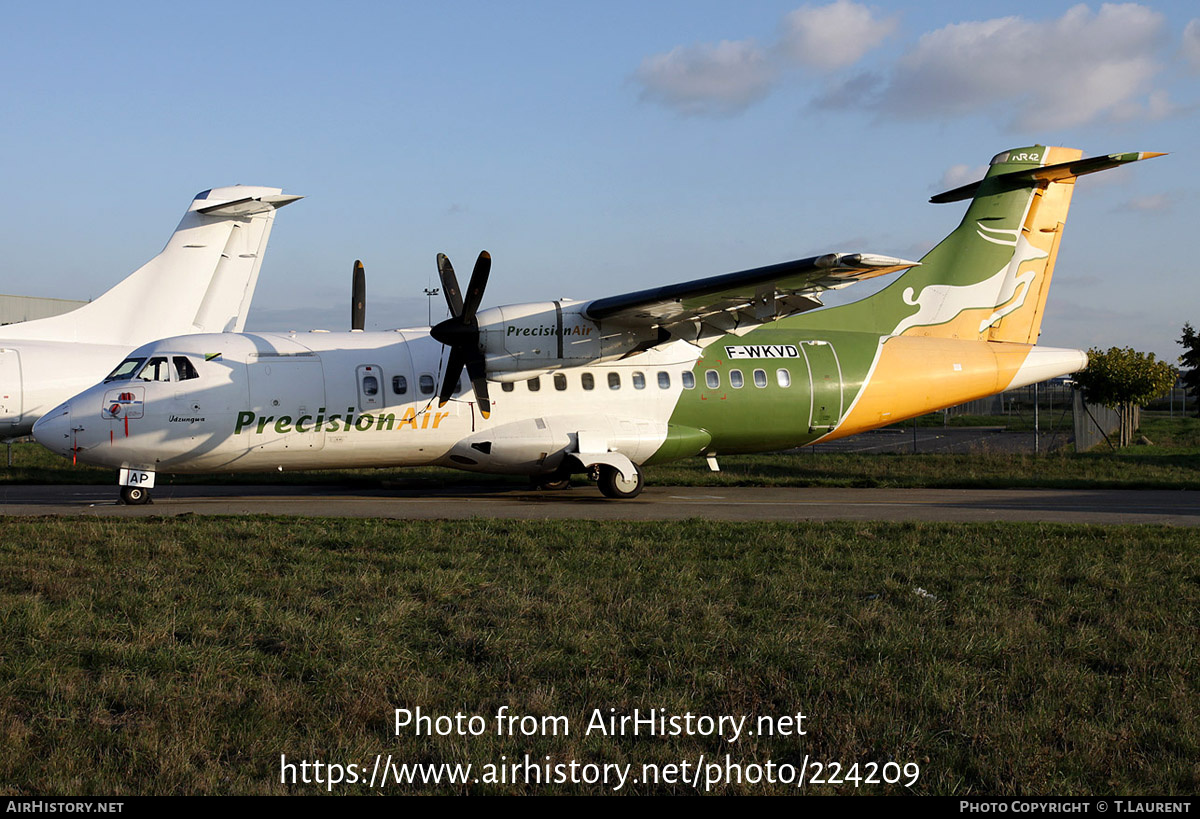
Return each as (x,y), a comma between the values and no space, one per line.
(729,364)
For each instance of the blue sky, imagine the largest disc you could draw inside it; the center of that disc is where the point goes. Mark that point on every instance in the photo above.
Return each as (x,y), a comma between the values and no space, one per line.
(593,148)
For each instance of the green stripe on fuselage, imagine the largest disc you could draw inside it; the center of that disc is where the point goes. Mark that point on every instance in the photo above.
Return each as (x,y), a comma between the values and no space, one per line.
(753,419)
(759,419)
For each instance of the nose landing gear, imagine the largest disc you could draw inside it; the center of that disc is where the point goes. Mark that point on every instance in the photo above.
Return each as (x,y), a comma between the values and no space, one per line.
(135,485)
(135,495)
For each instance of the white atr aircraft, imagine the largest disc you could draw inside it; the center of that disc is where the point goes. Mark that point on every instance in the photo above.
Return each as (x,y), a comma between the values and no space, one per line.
(202,282)
(735,363)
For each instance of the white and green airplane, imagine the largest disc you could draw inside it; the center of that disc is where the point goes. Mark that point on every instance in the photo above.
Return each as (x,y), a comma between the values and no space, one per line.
(730,364)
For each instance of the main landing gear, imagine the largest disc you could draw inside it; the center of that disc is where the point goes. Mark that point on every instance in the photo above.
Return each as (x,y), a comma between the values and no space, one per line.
(554,482)
(607,477)
(613,485)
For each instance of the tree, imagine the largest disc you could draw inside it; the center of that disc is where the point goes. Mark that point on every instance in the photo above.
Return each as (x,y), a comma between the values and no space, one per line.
(1190,342)
(1122,379)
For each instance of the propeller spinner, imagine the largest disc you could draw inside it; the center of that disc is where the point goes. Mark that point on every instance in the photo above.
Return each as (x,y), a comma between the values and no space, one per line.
(460,332)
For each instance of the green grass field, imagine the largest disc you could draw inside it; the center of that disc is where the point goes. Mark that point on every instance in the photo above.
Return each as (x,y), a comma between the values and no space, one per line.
(185,655)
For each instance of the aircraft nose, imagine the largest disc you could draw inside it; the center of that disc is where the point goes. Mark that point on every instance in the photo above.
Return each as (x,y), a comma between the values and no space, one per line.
(53,430)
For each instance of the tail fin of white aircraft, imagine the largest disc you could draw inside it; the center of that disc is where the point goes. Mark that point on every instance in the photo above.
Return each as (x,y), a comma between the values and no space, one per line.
(202,281)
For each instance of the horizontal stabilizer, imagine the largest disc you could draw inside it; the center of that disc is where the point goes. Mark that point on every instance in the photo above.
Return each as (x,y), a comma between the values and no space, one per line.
(1048,173)
(248,206)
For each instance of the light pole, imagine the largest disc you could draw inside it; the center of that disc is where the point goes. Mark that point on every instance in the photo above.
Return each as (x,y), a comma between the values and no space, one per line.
(429,294)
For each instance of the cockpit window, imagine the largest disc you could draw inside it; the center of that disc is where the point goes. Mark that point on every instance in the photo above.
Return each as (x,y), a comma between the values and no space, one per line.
(125,370)
(184,369)
(156,369)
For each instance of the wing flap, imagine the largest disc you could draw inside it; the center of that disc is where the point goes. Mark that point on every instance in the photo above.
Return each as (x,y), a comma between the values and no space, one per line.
(745,297)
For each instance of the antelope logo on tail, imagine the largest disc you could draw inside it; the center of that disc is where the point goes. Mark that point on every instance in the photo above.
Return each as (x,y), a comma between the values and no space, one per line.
(940,303)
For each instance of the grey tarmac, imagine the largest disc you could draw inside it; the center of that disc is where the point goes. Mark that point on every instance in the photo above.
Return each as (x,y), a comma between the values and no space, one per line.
(1102,506)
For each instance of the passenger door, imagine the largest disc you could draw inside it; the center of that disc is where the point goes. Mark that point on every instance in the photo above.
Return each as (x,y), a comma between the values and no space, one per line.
(825,385)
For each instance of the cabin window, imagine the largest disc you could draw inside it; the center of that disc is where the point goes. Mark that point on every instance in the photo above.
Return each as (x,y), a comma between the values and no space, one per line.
(425,382)
(560,382)
(614,381)
(736,380)
(588,381)
(125,369)
(534,384)
(712,379)
(399,385)
(639,381)
(664,380)
(783,377)
(688,379)
(507,386)
(156,369)
(370,385)
(760,378)
(184,369)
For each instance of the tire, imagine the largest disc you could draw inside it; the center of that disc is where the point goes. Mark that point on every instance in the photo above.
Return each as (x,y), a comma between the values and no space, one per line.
(134,495)
(551,483)
(612,485)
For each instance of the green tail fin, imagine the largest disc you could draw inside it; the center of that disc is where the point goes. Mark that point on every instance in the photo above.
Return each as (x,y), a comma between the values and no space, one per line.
(988,280)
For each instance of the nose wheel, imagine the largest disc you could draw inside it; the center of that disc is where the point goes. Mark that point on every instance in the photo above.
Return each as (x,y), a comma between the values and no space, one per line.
(135,495)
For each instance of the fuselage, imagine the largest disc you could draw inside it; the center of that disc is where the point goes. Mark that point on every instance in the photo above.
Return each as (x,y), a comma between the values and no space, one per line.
(36,376)
(238,402)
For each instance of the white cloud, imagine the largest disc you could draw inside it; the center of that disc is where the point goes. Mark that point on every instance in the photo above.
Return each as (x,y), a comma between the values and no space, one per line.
(707,79)
(1035,74)
(726,78)
(833,36)
(958,175)
(1155,203)
(1191,43)
(1045,74)
(1156,106)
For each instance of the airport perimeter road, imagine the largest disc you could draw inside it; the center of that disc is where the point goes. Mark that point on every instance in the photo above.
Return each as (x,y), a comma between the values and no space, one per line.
(656,503)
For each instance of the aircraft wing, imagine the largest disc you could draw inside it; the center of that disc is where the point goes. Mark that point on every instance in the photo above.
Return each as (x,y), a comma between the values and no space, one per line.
(719,304)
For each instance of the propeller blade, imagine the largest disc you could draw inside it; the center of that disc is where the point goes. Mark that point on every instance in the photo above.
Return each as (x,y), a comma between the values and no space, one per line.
(477,370)
(450,285)
(454,368)
(358,298)
(479,279)
(460,332)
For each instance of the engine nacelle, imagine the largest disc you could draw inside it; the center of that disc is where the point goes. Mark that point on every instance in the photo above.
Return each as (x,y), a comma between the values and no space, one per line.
(542,336)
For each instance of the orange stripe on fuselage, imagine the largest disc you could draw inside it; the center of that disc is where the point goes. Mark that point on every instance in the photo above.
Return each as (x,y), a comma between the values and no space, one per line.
(916,374)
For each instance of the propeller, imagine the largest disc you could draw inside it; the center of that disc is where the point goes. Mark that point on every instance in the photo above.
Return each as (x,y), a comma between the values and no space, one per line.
(460,332)
(358,298)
